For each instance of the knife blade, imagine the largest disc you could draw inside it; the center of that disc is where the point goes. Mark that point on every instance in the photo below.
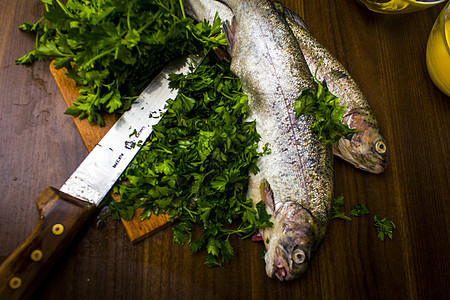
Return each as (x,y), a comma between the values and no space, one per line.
(62,212)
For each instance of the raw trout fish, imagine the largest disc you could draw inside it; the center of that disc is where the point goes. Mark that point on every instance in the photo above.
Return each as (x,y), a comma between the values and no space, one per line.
(295,180)
(367,150)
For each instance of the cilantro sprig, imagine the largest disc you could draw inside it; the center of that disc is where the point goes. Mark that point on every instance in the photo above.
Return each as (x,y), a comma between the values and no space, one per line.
(195,165)
(113,48)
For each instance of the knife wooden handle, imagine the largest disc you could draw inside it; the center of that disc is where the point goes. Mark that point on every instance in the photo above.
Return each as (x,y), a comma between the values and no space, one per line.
(60,217)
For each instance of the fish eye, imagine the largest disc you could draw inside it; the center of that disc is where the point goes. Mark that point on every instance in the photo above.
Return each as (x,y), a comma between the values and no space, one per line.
(380,147)
(298,256)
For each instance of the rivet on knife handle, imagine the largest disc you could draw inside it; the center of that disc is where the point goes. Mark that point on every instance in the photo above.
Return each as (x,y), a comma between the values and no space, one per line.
(60,218)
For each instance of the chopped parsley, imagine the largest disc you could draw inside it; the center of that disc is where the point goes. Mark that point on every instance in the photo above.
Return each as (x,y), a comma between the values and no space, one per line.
(360,210)
(383,226)
(336,213)
(195,165)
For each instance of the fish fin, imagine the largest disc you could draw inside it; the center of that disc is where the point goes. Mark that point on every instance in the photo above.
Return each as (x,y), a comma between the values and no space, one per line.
(222,54)
(190,11)
(267,196)
(289,14)
(230,31)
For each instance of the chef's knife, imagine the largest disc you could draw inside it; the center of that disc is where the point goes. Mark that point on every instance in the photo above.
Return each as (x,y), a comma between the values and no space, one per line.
(62,212)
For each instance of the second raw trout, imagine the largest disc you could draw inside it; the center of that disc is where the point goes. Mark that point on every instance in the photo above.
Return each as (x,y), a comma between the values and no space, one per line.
(367,150)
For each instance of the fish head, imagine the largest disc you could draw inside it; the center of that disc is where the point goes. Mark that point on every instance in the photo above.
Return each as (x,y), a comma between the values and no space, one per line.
(291,244)
(367,150)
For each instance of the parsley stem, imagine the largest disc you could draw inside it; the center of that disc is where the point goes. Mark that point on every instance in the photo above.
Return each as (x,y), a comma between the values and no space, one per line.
(128,17)
(91,61)
(156,17)
(182,9)
(37,40)
(64,8)
(168,9)
(318,66)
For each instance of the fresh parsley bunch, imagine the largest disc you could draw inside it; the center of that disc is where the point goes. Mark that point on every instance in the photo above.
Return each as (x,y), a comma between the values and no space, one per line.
(113,48)
(195,165)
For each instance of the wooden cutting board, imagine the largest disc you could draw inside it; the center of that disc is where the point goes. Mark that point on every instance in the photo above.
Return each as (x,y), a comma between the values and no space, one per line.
(91,134)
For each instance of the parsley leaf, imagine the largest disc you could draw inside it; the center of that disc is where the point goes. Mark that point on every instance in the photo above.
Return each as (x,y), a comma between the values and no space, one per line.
(360,210)
(335,210)
(384,227)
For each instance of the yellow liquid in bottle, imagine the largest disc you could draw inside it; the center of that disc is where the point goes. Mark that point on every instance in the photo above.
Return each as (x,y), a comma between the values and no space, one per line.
(438,59)
(397,6)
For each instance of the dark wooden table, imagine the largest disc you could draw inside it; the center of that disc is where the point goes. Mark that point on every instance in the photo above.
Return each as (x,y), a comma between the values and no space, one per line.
(40,146)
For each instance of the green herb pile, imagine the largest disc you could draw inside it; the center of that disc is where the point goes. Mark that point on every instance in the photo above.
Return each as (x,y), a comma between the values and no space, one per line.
(196,163)
(112,48)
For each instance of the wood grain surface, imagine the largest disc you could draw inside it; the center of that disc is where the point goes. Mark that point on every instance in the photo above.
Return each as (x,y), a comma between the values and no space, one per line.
(40,147)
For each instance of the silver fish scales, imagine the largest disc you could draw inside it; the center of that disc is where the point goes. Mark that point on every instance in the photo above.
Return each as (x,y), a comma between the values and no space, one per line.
(295,180)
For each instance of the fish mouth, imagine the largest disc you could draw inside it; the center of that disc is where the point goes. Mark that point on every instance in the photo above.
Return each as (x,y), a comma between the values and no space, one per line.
(281,267)
(376,168)
(363,162)
(383,166)
(281,271)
